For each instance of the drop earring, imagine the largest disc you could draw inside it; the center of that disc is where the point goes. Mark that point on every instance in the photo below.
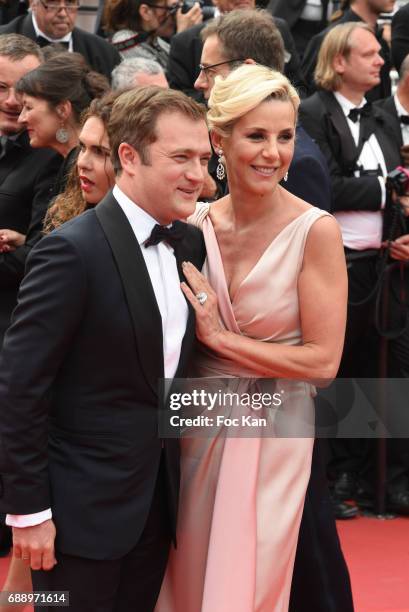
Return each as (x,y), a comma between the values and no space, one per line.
(286,177)
(62,135)
(220,170)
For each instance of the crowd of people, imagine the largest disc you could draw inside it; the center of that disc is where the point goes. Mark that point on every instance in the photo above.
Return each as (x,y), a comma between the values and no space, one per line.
(292,267)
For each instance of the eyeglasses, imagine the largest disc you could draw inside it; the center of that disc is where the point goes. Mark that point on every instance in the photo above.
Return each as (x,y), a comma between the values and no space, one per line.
(5,91)
(207,69)
(56,5)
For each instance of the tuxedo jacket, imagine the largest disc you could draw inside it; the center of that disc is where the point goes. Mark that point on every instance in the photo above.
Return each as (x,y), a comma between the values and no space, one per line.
(324,120)
(400,36)
(26,183)
(99,54)
(186,51)
(79,376)
(388,106)
(310,58)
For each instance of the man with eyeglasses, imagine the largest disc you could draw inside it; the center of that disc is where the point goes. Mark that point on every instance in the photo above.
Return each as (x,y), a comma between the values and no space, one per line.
(186,49)
(53,21)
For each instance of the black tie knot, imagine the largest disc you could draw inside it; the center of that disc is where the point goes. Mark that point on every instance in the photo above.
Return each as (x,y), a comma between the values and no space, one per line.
(356,113)
(44,42)
(404,119)
(172,235)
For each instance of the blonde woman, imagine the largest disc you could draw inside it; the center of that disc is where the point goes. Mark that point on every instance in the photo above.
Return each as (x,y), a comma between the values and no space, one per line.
(271,303)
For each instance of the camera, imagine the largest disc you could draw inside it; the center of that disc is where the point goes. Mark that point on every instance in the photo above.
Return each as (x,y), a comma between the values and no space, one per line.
(208,12)
(398,181)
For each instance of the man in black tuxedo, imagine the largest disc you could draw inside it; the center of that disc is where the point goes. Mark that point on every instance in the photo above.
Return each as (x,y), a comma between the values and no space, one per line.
(186,50)
(360,146)
(53,21)
(367,11)
(320,578)
(101,320)
(26,175)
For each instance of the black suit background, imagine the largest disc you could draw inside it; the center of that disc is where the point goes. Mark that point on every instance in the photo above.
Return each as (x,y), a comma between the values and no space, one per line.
(99,54)
(186,51)
(311,55)
(388,106)
(26,182)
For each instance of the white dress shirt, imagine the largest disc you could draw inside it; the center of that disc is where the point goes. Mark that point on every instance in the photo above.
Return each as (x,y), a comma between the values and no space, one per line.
(66,39)
(362,229)
(402,111)
(161,265)
(313,10)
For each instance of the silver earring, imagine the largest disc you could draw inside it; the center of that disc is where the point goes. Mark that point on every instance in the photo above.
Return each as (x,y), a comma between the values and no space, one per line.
(220,170)
(286,177)
(62,136)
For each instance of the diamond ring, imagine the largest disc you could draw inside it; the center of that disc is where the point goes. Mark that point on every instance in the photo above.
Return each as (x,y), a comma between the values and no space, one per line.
(201,297)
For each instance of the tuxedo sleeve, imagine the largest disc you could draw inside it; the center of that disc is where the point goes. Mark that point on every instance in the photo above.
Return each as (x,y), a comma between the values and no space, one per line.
(349,193)
(12,264)
(50,306)
(308,181)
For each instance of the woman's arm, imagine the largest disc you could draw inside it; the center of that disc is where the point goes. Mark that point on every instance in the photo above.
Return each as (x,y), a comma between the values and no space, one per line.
(322,291)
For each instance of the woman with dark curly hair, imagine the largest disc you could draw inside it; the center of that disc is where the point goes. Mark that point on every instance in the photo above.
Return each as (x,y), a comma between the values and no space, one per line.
(92,176)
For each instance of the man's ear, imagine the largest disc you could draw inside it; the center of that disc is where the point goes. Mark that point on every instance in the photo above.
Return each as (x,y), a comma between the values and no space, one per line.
(339,63)
(217,141)
(129,158)
(145,13)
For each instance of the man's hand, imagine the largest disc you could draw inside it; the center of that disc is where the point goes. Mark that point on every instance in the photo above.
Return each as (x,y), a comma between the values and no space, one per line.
(189,19)
(10,240)
(399,248)
(35,545)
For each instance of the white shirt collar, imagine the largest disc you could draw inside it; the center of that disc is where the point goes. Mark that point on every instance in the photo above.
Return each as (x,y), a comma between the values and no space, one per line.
(399,108)
(346,104)
(141,222)
(38,32)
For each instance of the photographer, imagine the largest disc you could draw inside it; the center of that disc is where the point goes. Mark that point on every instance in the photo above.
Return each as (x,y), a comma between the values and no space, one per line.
(361,148)
(139,28)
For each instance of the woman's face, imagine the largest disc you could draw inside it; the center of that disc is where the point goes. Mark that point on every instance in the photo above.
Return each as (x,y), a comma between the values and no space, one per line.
(260,148)
(96,174)
(40,121)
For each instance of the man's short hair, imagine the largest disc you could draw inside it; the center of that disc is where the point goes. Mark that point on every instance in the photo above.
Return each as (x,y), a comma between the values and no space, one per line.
(16,47)
(336,42)
(248,34)
(123,75)
(135,114)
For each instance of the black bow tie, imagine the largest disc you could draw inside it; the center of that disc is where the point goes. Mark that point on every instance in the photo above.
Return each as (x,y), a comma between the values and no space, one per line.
(44,42)
(404,119)
(356,113)
(172,235)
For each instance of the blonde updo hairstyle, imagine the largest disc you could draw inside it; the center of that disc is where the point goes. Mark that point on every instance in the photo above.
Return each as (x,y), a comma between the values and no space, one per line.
(242,91)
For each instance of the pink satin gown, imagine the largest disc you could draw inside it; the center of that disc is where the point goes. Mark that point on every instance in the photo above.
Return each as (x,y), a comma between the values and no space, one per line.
(242,498)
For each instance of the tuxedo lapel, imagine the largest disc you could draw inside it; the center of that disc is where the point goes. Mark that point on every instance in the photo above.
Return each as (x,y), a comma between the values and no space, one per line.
(13,156)
(387,139)
(27,28)
(337,118)
(145,315)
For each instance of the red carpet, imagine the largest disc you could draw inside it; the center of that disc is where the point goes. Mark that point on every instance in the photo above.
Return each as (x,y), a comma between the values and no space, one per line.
(377,553)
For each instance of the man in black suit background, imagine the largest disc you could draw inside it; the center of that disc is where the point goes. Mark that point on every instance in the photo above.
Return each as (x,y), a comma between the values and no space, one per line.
(320,578)
(367,11)
(53,21)
(101,320)
(26,175)
(400,36)
(186,50)
(360,146)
